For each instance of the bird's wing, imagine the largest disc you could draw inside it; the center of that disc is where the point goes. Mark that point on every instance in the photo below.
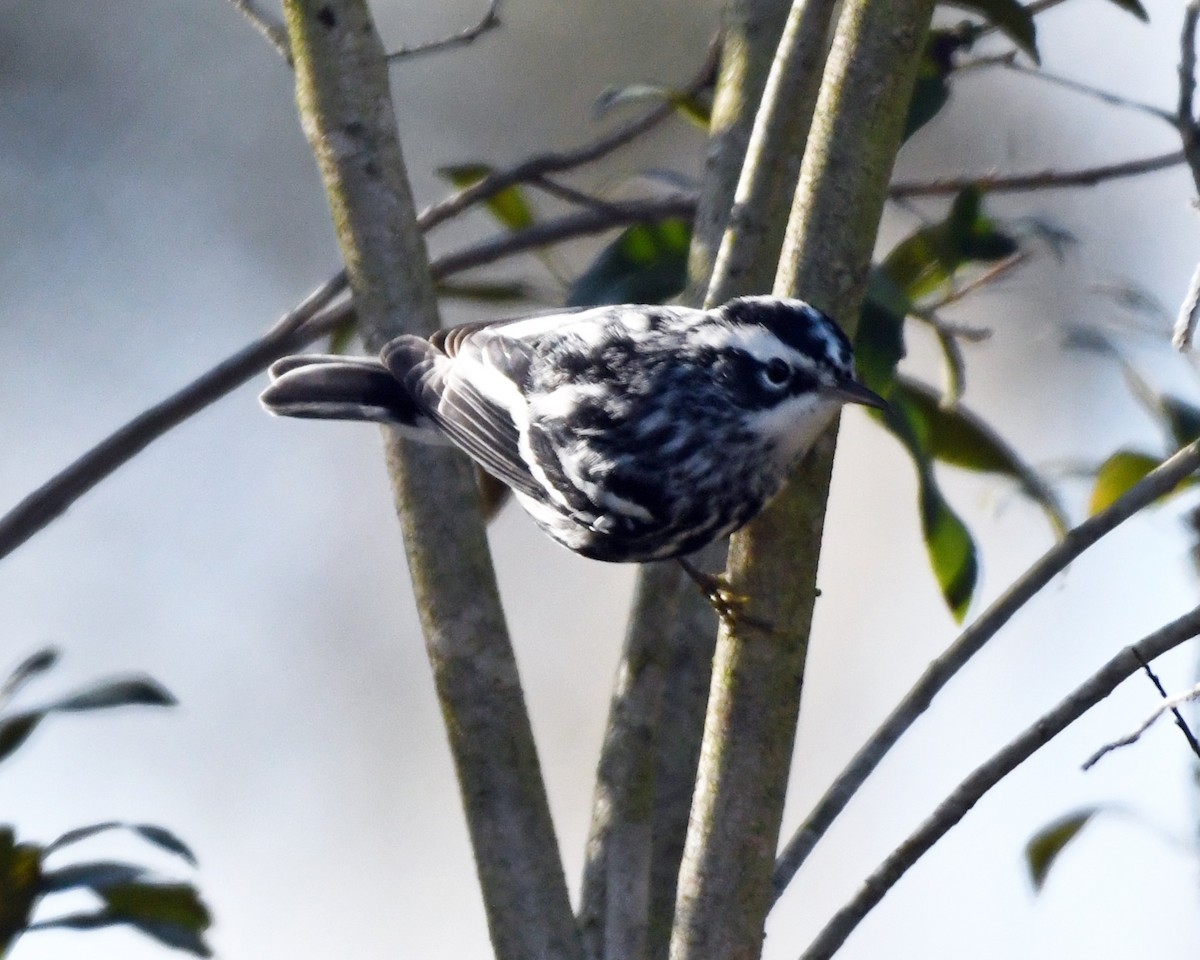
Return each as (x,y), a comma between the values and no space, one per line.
(474,398)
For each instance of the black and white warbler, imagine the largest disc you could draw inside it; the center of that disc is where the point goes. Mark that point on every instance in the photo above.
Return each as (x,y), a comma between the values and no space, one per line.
(629,433)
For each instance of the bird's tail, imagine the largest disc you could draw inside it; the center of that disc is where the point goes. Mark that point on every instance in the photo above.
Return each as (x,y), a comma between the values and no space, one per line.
(318,387)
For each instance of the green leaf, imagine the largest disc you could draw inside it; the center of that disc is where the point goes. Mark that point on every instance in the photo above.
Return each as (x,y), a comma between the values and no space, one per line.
(926,261)
(932,89)
(96,875)
(1008,16)
(509,206)
(20,877)
(647,263)
(1182,419)
(15,730)
(1043,850)
(342,334)
(879,342)
(692,107)
(27,669)
(139,691)
(1117,475)
(951,549)
(159,836)
(961,438)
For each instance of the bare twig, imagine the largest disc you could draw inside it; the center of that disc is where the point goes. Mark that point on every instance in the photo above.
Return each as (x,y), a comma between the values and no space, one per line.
(1179,721)
(1042,180)
(490,20)
(951,810)
(1104,96)
(1169,705)
(270,27)
(308,321)
(1160,481)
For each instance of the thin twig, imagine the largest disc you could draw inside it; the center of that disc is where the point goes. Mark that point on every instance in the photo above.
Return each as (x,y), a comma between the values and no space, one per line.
(546,163)
(1158,482)
(270,27)
(1179,721)
(1170,705)
(1041,180)
(308,321)
(1104,96)
(468,35)
(951,810)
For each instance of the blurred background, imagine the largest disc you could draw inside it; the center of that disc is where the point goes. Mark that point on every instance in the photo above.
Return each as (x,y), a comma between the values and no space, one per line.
(160,208)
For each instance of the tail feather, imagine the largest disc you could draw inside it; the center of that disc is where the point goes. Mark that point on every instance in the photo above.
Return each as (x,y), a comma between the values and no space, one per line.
(341,388)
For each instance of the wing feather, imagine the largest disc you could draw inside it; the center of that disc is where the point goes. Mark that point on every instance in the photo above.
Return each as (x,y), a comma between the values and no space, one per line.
(479,420)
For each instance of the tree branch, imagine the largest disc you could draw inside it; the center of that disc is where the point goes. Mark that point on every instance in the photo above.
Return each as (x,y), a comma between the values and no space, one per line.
(724,886)
(343,95)
(489,21)
(951,810)
(1158,483)
(1042,180)
(273,30)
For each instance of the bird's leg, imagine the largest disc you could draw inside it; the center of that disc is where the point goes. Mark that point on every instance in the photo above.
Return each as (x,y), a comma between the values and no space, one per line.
(725,602)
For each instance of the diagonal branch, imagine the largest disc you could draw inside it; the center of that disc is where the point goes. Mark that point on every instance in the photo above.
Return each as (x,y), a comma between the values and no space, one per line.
(1041,180)
(1156,484)
(308,321)
(951,810)
(464,37)
(272,29)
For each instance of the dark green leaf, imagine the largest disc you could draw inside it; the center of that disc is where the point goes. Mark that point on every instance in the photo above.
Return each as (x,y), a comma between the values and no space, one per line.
(647,263)
(879,342)
(20,873)
(1010,17)
(171,935)
(509,206)
(1117,475)
(141,691)
(29,668)
(1044,848)
(97,875)
(926,261)
(1182,419)
(961,438)
(932,89)
(16,729)
(951,549)
(159,836)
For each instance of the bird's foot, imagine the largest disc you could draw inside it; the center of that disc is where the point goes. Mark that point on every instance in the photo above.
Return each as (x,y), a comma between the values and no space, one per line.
(728,605)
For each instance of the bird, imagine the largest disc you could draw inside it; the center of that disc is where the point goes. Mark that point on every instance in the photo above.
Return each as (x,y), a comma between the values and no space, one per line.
(630,433)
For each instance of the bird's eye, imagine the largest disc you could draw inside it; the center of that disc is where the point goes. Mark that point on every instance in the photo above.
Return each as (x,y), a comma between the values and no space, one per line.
(777,372)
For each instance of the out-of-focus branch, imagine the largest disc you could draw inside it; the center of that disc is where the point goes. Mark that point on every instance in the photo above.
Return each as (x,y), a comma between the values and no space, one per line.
(547,163)
(272,29)
(308,321)
(51,499)
(464,37)
(343,95)
(724,886)
(951,810)
(1156,484)
(1041,180)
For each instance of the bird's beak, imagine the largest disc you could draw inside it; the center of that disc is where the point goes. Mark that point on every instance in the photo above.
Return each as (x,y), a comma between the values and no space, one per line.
(851,391)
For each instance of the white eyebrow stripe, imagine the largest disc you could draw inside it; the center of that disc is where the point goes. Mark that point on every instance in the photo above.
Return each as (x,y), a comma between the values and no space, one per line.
(757,341)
